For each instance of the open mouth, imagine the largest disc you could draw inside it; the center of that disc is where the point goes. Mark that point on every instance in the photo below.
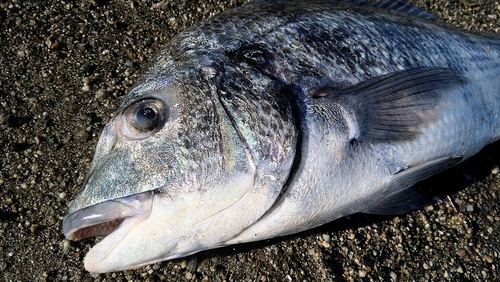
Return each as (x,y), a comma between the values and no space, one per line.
(114,219)
(105,218)
(100,229)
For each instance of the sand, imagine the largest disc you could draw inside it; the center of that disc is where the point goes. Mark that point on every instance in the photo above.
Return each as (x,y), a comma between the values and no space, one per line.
(64,69)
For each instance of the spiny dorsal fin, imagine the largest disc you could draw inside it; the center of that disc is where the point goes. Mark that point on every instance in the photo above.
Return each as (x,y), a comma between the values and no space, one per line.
(399,6)
(403,7)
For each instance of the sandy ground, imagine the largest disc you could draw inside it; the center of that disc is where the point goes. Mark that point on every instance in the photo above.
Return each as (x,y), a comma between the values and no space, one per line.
(64,69)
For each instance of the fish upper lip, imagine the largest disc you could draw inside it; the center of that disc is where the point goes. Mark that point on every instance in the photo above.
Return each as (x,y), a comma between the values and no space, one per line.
(104,218)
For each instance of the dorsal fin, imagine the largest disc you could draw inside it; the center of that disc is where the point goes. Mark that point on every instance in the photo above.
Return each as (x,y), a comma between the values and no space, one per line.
(403,7)
(399,6)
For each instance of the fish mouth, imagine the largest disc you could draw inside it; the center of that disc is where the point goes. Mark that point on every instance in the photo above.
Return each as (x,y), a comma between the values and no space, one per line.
(99,229)
(103,218)
(112,219)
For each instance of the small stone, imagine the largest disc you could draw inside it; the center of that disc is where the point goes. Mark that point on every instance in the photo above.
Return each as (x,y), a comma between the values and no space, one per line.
(470,208)
(129,52)
(488,259)
(362,273)
(62,195)
(66,244)
(101,94)
(53,220)
(495,169)
(56,46)
(33,228)
(326,244)
(84,136)
(88,80)
(393,275)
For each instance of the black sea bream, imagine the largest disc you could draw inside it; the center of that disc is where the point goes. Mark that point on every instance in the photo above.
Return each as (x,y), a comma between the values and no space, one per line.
(277,117)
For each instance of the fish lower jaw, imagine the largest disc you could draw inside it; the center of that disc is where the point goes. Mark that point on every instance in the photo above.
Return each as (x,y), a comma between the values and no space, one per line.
(99,259)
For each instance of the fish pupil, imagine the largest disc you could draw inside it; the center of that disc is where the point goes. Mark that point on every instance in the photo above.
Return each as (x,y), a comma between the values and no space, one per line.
(146,118)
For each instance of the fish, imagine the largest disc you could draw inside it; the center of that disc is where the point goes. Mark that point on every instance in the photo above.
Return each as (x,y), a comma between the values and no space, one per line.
(280,116)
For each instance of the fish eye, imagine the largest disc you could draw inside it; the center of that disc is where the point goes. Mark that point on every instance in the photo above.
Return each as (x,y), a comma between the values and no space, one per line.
(144,118)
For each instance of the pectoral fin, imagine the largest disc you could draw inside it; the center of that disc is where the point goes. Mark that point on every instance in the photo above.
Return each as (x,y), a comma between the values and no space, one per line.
(392,107)
(402,195)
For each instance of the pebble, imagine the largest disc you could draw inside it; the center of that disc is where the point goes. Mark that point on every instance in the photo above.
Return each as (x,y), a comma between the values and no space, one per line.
(488,259)
(495,170)
(362,273)
(325,244)
(101,94)
(34,227)
(47,45)
(88,80)
(393,275)
(84,136)
(66,244)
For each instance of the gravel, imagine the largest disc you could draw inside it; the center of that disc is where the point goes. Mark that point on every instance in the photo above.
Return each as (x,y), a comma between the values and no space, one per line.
(64,69)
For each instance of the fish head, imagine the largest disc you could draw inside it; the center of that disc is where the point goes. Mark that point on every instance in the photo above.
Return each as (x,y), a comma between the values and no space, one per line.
(181,168)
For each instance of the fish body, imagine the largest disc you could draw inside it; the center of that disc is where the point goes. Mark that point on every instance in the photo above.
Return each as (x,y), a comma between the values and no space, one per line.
(277,117)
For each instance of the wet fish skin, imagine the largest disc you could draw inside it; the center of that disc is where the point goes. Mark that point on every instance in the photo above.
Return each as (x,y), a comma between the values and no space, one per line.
(278,117)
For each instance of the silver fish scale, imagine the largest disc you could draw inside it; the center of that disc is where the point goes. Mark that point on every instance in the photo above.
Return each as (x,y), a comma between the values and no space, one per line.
(199,141)
(246,52)
(295,45)
(262,110)
(284,116)
(313,43)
